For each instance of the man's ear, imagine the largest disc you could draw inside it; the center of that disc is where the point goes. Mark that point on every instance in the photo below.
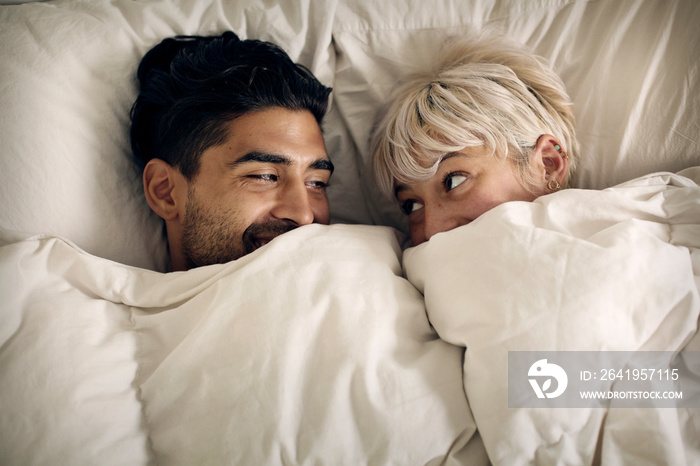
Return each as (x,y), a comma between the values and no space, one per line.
(553,157)
(160,180)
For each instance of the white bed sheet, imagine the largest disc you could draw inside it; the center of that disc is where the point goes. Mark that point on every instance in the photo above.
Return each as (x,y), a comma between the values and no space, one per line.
(312,350)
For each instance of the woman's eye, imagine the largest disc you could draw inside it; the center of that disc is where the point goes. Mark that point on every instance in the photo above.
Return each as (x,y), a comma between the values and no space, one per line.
(453,180)
(409,206)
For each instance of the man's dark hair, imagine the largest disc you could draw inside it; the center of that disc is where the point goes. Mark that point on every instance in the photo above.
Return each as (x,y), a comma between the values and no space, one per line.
(192,86)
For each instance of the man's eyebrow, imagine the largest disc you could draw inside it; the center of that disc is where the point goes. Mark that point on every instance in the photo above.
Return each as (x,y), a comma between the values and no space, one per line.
(322,164)
(260,157)
(399,188)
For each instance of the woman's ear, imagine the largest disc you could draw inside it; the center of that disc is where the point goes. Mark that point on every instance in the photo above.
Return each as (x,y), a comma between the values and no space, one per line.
(553,157)
(159,182)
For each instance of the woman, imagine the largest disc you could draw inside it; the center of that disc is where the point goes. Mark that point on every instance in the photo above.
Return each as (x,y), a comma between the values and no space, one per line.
(585,272)
(488,124)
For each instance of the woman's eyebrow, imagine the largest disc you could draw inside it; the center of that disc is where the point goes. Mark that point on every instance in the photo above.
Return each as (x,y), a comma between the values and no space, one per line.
(449,155)
(402,187)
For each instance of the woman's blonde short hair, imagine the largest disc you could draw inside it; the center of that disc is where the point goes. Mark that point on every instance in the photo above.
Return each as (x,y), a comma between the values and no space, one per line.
(487,91)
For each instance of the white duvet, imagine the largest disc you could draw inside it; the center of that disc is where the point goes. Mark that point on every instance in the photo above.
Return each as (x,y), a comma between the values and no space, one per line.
(614,270)
(316,350)
(312,350)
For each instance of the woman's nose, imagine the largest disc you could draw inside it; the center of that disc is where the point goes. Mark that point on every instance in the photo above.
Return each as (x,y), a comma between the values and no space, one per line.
(438,219)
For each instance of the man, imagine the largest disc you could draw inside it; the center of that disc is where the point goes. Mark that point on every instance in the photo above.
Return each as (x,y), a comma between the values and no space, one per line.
(228,134)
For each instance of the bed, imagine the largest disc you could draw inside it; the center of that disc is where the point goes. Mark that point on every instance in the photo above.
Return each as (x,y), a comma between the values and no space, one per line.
(341,344)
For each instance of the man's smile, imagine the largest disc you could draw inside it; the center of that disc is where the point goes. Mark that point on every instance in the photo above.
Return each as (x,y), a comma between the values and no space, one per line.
(259,234)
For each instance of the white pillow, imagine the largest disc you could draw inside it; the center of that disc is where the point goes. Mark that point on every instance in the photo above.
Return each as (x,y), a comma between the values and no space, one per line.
(67,85)
(632,69)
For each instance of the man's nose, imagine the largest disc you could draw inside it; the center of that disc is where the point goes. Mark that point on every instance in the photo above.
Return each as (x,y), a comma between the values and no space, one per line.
(293,203)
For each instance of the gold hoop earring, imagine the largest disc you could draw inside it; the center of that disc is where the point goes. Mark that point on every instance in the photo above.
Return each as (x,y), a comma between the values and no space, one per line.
(553,186)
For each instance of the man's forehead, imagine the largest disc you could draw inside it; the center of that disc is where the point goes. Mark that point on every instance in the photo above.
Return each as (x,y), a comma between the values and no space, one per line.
(294,135)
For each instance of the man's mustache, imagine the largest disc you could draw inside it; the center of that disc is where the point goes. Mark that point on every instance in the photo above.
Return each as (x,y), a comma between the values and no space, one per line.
(269,229)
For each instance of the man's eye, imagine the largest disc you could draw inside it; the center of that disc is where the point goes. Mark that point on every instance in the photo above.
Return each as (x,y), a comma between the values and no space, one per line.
(317,184)
(409,206)
(264,177)
(452,180)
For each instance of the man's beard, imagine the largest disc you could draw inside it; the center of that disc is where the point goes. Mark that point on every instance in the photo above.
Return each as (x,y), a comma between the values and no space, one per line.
(214,237)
